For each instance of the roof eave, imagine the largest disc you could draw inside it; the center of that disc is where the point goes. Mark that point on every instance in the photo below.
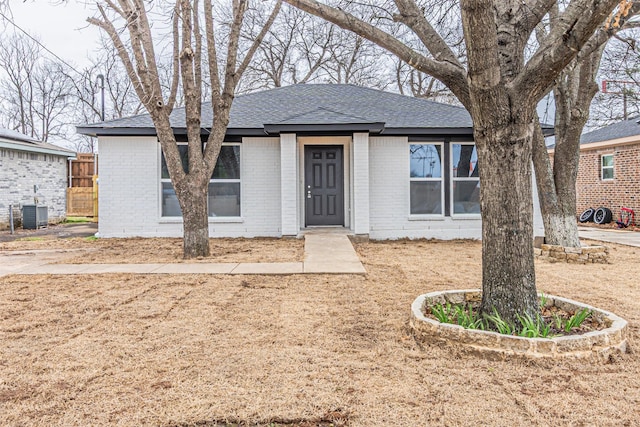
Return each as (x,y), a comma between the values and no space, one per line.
(36,149)
(276,129)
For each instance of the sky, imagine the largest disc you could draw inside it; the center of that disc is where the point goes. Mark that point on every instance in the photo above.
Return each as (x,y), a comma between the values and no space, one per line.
(62,28)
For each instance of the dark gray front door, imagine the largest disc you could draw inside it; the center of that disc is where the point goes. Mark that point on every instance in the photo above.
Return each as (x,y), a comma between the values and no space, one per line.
(324,192)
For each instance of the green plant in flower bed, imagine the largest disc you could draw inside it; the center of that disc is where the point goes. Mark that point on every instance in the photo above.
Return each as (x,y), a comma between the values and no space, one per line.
(534,328)
(529,327)
(577,319)
(501,325)
(457,314)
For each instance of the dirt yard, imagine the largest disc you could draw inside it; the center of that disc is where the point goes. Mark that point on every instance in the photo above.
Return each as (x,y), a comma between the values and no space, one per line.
(303,350)
(140,251)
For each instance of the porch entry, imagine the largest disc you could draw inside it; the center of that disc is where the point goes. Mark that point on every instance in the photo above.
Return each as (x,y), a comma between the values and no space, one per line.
(324,185)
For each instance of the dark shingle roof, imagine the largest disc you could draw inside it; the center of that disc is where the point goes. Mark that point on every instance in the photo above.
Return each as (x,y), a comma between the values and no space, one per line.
(621,129)
(310,104)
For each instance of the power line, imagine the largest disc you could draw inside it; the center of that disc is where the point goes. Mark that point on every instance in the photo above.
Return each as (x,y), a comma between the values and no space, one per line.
(5,17)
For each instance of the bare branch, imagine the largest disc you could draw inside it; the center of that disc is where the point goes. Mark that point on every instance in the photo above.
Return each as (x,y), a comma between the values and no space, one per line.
(256,43)
(451,75)
(175,80)
(575,26)
(412,17)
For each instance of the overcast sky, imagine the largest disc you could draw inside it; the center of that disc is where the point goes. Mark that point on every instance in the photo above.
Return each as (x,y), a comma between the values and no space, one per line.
(61,28)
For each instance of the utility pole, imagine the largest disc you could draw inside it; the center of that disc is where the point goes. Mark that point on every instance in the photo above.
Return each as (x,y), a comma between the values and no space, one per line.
(44,112)
(101,78)
(606,88)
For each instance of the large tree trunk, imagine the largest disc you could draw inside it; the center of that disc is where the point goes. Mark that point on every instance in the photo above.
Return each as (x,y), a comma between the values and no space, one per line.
(557,202)
(508,274)
(193,201)
(573,92)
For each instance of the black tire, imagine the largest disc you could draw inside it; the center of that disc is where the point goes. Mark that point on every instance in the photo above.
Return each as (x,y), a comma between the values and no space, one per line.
(587,216)
(602,216)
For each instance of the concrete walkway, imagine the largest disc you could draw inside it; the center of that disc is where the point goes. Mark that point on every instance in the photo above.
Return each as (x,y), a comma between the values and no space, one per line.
(324,253)
(623,237)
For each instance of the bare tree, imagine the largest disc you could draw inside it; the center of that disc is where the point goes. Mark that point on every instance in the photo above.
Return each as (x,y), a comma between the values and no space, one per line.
(191,46)
(301,48)
(293,51)
(33,90)
(420,85)
(355,60)
(573,92)
(620,75)
(500,84)
(120,98)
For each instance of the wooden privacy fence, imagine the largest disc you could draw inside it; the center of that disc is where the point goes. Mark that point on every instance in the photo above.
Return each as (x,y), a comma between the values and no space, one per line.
(82,194)
(82,201)
(82,171)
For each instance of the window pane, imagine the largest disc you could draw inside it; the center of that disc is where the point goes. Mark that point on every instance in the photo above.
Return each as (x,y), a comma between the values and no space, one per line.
(464,159)
(425,161)
(228,164)
(170,205)
(607,173)
(607,160)
(224,199)
(426,197)
(466,197)
(184,156)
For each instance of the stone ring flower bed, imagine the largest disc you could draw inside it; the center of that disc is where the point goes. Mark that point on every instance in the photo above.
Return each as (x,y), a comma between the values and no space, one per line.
(597,344)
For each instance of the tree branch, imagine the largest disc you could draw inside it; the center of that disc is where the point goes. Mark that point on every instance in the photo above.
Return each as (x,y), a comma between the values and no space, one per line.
(256,43)
(575,25)
(212,55)
(175,79)
(413,18)
(454,77)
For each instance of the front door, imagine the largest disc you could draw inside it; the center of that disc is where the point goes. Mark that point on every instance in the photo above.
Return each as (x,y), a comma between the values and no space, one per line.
(323,188)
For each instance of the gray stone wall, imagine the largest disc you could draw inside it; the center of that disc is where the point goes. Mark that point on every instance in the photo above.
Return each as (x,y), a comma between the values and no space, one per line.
(20,171)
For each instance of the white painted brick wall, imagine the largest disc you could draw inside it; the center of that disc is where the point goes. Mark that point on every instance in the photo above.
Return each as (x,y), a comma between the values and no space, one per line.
(20,171)
(129,195)
(389,190)
(361,182)
(389,170)
(288,184)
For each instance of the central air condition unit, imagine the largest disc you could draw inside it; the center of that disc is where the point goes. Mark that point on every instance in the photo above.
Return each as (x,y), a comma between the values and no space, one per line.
(34,217)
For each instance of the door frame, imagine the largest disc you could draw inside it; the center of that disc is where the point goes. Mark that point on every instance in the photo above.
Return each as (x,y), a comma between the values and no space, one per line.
(339,186)
(346,143)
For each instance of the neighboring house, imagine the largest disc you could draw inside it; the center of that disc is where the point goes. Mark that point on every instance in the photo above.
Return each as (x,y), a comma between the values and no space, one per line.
(609,171)
(30,172)
(376,163)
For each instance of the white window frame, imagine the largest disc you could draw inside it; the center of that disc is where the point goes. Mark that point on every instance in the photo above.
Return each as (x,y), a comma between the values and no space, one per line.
(223,181)
(211,180)
(603,167)
(453,180)
(420,179)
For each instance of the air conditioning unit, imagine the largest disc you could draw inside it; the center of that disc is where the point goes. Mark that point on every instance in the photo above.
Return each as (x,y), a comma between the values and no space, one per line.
(34,217)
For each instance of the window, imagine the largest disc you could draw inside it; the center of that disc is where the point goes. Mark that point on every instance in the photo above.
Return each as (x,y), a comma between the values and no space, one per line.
(224,187)
(465,179)
(606,166)
(425,186)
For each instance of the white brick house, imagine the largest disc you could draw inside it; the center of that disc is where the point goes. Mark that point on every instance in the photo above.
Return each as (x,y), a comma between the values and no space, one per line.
(375,163)
(31,171)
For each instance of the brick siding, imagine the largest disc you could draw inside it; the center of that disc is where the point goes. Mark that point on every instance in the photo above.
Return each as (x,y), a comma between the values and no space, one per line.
(622,190)
(20,171)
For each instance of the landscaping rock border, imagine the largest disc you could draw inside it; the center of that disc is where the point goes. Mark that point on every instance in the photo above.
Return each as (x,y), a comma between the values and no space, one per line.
(582,255)
(594,345)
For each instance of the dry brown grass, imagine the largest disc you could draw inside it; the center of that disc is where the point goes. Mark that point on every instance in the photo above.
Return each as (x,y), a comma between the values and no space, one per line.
(140,250)
(178,350)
